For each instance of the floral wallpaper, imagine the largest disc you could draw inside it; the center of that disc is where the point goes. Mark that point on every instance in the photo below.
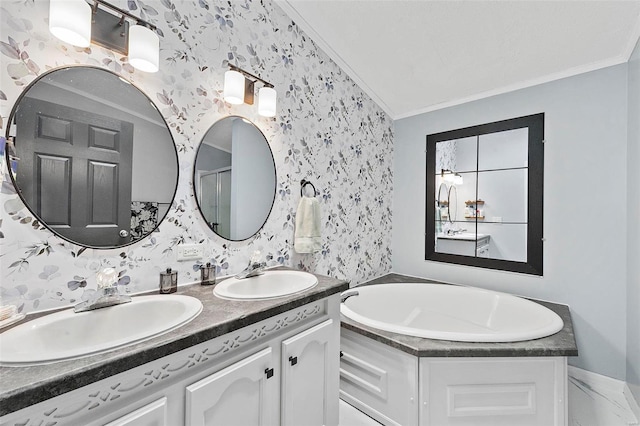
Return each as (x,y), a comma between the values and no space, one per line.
(327,131)
(144,218)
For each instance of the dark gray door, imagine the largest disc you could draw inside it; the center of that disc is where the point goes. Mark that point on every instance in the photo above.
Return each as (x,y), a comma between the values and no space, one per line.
(75,171)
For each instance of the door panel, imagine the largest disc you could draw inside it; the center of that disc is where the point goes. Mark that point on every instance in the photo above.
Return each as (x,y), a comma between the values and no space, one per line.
(84,161)
(305,359)
(241,394)
(53,177)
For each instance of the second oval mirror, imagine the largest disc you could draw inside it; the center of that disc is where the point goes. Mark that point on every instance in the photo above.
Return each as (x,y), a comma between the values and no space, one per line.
(234,178)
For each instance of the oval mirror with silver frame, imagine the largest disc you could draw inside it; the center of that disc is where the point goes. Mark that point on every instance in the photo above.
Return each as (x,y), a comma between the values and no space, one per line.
(452,203)
(234,178)
(92,157)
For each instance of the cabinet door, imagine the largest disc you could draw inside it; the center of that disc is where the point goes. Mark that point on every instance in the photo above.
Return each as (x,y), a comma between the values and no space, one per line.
(242,394)
(305,367)
(153,414)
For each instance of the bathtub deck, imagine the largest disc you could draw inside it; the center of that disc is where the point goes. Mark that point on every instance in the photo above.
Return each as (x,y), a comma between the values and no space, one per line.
(563,343)
(532,370)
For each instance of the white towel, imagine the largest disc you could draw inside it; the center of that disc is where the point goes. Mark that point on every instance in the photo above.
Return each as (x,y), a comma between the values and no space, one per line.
(307,238)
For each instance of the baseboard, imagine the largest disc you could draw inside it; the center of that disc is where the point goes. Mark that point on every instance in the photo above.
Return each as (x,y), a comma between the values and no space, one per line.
(631,400)
(613,390)
(596,381)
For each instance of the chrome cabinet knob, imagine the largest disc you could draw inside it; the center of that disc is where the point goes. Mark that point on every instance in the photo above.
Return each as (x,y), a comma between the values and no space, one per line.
(124,233)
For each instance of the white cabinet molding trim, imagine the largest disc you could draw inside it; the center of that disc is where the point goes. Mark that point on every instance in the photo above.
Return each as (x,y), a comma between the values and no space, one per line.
(80,402)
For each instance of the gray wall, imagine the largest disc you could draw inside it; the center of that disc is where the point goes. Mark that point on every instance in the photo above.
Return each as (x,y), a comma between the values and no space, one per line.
(211,158)
(633,228)
(585,195)
(252,180)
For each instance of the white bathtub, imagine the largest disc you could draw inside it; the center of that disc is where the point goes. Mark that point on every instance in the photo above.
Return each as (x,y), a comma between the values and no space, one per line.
(449,312)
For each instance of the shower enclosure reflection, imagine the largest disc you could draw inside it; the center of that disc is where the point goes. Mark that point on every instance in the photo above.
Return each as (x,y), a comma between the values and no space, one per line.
(215,198)
(234,178)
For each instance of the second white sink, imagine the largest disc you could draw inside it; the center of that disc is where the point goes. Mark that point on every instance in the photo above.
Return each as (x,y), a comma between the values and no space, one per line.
(269,285)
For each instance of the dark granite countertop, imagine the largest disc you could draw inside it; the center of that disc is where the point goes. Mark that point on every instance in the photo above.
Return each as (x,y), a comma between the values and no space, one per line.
(562,343)
(24,386)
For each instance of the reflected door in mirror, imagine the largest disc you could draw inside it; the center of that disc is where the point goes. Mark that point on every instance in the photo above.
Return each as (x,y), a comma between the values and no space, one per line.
(76,170)
(96,162)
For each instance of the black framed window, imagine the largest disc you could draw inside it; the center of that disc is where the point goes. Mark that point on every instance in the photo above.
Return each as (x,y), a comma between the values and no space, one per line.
(485,195)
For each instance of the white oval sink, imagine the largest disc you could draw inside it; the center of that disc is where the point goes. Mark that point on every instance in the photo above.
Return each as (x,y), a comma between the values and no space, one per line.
(269,285)
(67,335)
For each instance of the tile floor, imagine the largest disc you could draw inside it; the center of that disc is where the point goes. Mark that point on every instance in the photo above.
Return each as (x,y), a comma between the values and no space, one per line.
(350,416)
(587,407)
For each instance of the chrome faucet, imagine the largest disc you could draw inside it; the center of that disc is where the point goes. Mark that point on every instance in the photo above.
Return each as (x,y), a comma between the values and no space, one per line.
(347,294)
(106,295)
(455,231)
(254,268)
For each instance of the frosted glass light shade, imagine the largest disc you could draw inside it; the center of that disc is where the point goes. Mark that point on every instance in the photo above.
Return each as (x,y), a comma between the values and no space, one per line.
(452,177)
(70,21)
(144,48)
(233,87)
(267,97)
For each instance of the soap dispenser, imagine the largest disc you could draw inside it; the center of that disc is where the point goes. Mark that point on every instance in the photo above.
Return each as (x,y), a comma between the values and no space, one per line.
(207,274)
(168,281)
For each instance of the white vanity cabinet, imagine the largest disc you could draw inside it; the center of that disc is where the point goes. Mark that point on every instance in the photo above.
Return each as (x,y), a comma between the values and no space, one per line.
(247,392)
(465,244)
(281,370)
(239,394)
(307,371)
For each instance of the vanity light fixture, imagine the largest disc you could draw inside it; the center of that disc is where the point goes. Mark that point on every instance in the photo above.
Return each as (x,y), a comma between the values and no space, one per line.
(450,176)
(70,21)
(82,22)
(239,88)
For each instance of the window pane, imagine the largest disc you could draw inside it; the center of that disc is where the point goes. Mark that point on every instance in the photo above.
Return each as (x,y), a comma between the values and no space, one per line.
(506,241)
(504,194)
(458,155)
(503,150)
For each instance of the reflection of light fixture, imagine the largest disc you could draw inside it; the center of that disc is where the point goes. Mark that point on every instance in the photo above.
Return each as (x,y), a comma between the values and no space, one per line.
(239,88)
(451,176)
(78,23)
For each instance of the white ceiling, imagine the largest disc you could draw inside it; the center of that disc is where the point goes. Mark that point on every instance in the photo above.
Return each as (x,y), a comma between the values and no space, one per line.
(417,56)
